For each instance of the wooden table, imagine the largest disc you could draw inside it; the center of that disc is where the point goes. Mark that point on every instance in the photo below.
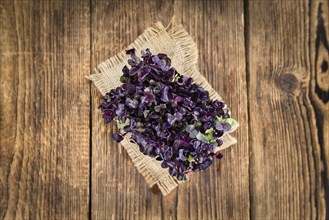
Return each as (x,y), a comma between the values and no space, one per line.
(268,59)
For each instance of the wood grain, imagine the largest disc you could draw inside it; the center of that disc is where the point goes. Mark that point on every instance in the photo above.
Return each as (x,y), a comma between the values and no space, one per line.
(44,104)
(268,60)
(288,109)
(118,190)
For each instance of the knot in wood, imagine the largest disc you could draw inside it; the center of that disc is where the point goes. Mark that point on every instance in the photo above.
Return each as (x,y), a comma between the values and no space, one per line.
(288,82)
(324,66)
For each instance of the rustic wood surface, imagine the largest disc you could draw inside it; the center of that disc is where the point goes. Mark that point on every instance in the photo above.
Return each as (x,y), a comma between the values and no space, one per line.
(267,58)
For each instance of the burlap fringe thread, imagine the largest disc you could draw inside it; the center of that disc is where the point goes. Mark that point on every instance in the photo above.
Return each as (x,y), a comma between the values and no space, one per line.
(180,47)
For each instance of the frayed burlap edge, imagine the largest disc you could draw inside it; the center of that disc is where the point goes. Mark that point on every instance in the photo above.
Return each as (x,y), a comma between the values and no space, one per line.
(180,47)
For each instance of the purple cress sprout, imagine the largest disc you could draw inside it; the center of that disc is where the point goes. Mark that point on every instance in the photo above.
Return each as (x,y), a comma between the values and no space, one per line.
(169,117)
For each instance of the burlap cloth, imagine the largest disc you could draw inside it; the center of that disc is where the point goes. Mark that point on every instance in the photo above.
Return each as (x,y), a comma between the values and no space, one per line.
(174,41)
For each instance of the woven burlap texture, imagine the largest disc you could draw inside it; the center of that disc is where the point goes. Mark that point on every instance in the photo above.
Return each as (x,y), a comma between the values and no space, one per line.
(174,41)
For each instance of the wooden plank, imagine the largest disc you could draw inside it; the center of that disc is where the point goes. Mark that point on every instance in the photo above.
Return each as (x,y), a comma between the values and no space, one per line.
(44,105)
(118,190)
(319,97)
(288,115)
(222,192)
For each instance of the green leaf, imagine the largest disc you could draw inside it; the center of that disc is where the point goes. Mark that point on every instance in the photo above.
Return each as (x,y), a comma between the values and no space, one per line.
(202,137)
(176,77)
(123,124)
(190,158)
(230,121)
(209,131)
(218,119)
(213,141)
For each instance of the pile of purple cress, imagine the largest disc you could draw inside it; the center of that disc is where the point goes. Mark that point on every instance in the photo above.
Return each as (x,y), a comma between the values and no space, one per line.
(169,117)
